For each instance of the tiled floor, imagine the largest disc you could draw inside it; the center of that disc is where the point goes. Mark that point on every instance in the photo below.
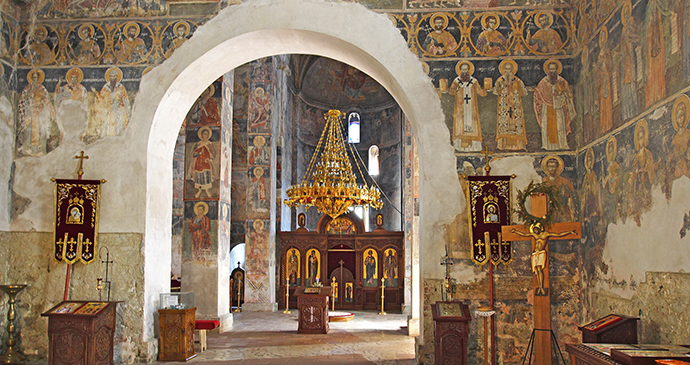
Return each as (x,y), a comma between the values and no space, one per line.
(272,339)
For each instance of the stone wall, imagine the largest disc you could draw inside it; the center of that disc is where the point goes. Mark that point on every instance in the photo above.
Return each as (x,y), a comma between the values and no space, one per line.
(24,261)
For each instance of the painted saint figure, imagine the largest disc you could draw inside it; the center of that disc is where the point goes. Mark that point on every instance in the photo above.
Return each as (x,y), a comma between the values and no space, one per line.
(541,239)
(553,167)
(679,158)
(202,165)
(38,51)
(611,181)
(313,267)
(259,153)
(605,68)
(628,43)
(258,191)
(467,133)
(199,227)
(642,174)
(370,268)
(545,39)
(112,107)
(510,129)
(181,31)
(439,41)
(132,48)
(390,268)
(72,89)
(293,267)
(87,50)
(554,108)
(208,107)
(491,42)
(655,88)
(591,196)
(36,127)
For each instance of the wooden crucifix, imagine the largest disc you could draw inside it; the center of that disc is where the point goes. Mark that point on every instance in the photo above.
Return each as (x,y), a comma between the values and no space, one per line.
(540,270)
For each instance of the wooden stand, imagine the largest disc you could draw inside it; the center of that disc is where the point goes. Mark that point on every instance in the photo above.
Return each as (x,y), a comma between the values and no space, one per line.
(452,328)
(614,328)
(313,310)
(177,334)
(76,338)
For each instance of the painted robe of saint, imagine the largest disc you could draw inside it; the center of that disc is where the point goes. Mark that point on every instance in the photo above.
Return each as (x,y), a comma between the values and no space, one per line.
(112,107)
(628,42)
(181,32)
(87,50)
(258,191)
(545,39)
(72,89)
(491,42)
(36,117)
(510,130)
(679,158)
(655,89)
(591,196)
(202,162)
(199,227)
(554,108)
(642,174)
(605,68)
(132,48)
(439,41)
(553,167)
(467,132)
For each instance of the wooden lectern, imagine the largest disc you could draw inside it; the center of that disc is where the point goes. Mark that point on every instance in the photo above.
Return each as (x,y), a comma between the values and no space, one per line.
(614,328)
(452,331)
(81,332)
(313,309)
(177,334)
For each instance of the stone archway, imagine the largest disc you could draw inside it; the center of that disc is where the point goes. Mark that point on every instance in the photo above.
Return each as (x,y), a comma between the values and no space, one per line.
(346,32)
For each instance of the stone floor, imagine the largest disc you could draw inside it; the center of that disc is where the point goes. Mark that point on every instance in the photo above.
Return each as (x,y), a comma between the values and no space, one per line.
(272,338)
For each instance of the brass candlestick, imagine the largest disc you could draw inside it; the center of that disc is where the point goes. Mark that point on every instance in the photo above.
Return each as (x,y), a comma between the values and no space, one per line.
(287,296)
(383,291)
(11,355)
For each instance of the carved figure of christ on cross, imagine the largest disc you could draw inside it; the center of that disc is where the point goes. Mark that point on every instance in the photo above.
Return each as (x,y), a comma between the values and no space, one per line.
(540,270)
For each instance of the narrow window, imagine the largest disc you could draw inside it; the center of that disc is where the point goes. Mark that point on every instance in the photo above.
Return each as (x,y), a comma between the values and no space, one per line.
(353,128)
(373,160)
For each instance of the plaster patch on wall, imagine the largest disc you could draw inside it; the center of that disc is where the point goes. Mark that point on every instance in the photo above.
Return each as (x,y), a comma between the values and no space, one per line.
(654,246)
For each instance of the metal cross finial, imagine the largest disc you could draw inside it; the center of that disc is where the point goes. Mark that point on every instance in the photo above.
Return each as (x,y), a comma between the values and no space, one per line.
(486,153)
(81,159)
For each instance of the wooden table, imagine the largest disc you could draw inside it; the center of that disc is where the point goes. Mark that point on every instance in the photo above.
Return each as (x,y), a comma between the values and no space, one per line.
(583,355)
(313,310)
(81,332)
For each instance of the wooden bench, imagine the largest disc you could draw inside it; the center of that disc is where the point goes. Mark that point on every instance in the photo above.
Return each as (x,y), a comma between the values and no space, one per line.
(203,325)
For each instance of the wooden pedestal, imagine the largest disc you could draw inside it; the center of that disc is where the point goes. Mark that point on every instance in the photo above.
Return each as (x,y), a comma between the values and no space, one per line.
(177,334)
(81,332)
(313,310)
(452,328)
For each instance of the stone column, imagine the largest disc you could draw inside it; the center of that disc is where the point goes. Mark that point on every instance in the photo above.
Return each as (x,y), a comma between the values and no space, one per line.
(261,152)
(206,247)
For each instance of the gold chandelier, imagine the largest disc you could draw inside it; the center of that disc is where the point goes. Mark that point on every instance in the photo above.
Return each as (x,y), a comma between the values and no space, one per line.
(333,189)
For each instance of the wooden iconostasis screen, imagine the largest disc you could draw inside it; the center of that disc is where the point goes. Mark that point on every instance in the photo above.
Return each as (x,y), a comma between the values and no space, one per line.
(361,263)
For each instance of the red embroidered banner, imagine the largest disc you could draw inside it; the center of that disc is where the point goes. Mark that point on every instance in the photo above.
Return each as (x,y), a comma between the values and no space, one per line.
(76,220)
(489,208)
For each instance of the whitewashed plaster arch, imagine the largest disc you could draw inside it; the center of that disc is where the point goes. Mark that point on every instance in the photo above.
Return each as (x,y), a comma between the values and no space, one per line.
(347,32)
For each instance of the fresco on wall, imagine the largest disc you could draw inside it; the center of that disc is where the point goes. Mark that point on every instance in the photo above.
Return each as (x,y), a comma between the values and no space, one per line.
(201,231)
(259,150)
(206,110)
(202,162)
(174,36)
(86,42)
(111,108)
(259,115)
(5,37)
(98,9)
(37,132)
(38,45)
(511,105)
(258,194)
(257,244)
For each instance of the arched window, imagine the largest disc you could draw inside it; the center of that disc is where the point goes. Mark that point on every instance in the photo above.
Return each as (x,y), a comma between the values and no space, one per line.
(353,128)
(373,160)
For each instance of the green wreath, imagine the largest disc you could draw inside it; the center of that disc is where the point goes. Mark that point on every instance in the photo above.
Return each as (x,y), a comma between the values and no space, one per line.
(553,204)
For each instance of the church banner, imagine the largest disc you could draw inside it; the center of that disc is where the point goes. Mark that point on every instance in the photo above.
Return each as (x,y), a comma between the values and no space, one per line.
(489,208)
(76,220)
